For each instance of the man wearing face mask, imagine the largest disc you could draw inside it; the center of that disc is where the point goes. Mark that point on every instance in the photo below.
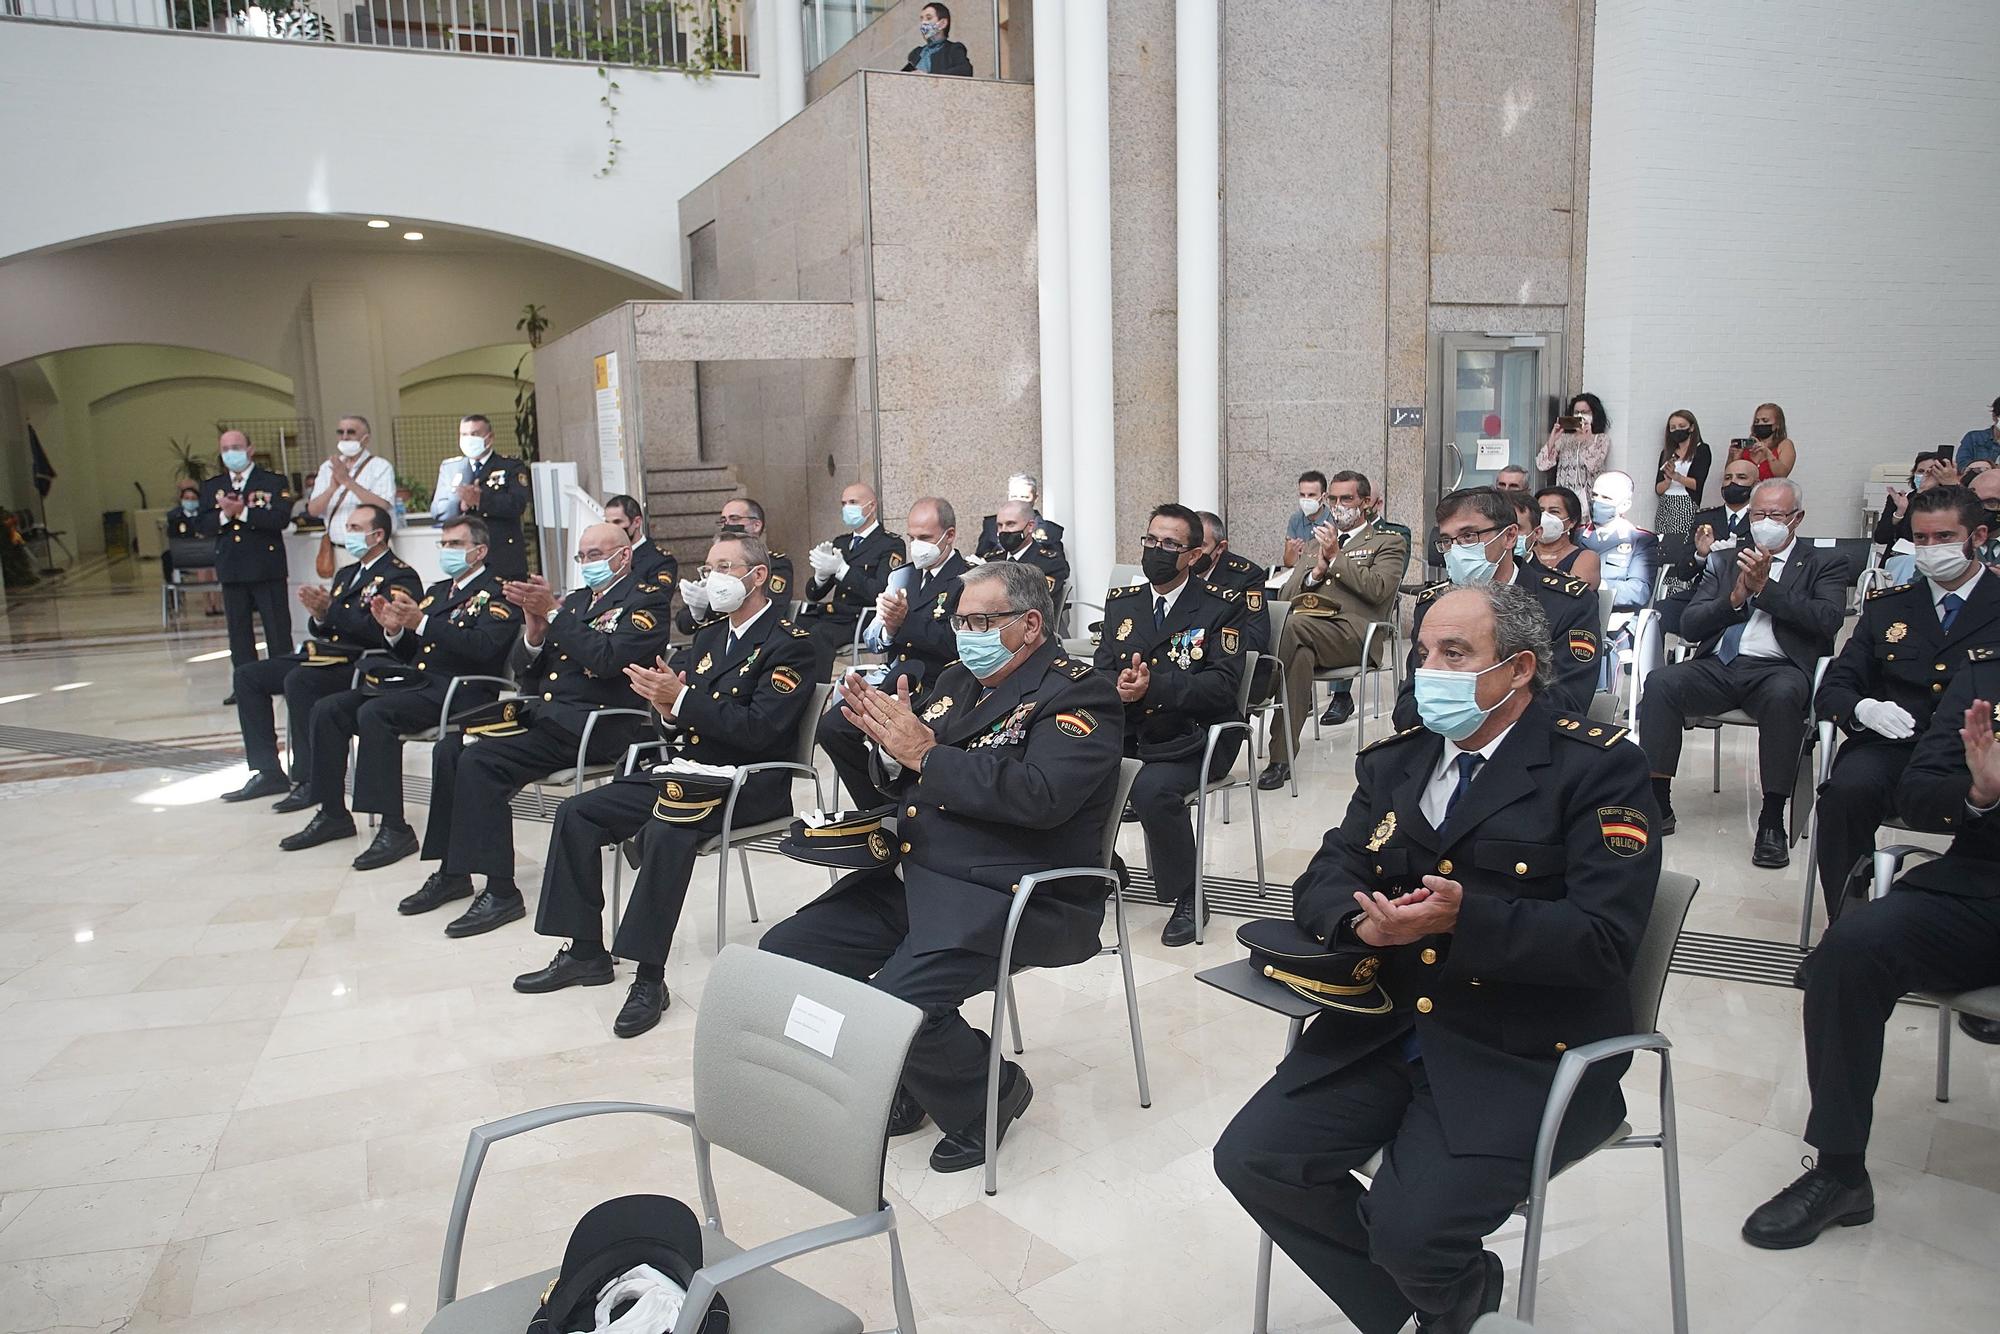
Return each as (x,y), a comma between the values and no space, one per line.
(1986,486)
(1908,646)
(849,572)
(740,517)
(1022,489)
(735,695)
(1626,552)
(485,482)
(246,509)
(1225,569)
(1725,526)
(1014,539)
(571,661)
(912,629)
(340,631)
(351,476)
(1300,544)
(1500,864)
(1175,644)
(1765,615)
(1476,533)
(649,561)
(1006,766)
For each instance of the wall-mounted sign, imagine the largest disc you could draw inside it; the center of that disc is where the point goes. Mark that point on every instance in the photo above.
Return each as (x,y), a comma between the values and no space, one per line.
(1406,416)
(610,428)
(1492,455)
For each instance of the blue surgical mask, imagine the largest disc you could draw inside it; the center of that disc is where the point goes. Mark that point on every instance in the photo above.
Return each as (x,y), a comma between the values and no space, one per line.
(852,515)
(982,652)
(452,561)
(357,543)
(1469,565)
(1448,702)
(236,460)
(597,573)
(190,506)
(1521,547)
(1602,511)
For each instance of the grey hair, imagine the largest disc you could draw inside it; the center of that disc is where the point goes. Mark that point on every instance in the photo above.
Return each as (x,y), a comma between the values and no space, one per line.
(756,551)
(1027,477)
(1009,507)
(1797,489)
(1519,626)
(1026,586)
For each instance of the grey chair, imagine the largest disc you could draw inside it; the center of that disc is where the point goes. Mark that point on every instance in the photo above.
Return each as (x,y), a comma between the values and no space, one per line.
(437,731)
(1980,1002)
(733,835)
(1363,673)
(1821,763)
(818,1120)
(1648,982)
(1279,705)
(1738,718)
(1004,1007)
(1209,787)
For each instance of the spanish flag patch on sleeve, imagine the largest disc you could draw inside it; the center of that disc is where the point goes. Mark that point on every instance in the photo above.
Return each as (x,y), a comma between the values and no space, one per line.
(1582,645)
(784,679)
(1624,829)
(644,619)
(1076,722)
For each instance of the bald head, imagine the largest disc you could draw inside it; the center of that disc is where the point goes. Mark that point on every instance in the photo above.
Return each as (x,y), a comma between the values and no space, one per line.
(604,537)
(1017,515)
(233,440)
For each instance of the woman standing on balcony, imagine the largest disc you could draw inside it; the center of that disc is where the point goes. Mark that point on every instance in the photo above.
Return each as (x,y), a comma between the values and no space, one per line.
(939,54)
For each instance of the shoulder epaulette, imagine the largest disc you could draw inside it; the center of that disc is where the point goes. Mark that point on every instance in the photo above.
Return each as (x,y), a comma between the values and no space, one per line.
(1884,592)
(1983,655)
(1577,728)
(1576,588)
(1226,594)
(1391,739)
(778,555)
(1126,592)
(704,624)
(1432,590)
(1050,552)
(1074,668)
(647,588)
(797,632)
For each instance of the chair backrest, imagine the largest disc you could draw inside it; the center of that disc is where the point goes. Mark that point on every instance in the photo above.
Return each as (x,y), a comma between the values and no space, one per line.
(1607,601)
(1278,612)
(795,1068)
(1128,774)
(809,724)
(1604,706)
(1656,948)
(1246,682)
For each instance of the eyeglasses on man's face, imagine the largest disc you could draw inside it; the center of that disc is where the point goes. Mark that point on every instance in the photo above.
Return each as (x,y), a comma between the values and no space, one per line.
(589,554)
(1782,516)
(1473,537)
(736,567)
(1151,543)
(979,622)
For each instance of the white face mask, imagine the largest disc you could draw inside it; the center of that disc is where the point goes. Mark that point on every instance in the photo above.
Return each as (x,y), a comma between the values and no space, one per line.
(349,448)
(1942,563)
(1552,527)
(472,446)
(924,554)
(725,591)
(1770,534)
(1310,505)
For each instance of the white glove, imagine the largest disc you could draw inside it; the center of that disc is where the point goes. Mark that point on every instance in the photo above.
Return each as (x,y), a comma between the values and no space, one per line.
(695,595)
(1884,718)
(825,560)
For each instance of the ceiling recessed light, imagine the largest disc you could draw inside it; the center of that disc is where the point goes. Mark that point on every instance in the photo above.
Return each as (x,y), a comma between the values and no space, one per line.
(378,223)
(413,236)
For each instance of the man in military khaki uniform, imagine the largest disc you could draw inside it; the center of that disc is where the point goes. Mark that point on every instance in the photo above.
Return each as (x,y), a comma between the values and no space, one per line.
(1351,581)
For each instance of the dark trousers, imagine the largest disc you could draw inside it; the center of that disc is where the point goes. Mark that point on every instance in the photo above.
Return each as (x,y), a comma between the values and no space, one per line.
(1857,796)
(832,632)
(847,746)
(1908,940)
(265,598)
(1159,795)
(1411,1241)
(379,721)
(860,929)
(471,825)
(256,684)
(1770,690)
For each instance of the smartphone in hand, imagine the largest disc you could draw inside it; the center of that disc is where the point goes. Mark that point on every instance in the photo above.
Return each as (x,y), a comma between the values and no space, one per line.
(1569,425)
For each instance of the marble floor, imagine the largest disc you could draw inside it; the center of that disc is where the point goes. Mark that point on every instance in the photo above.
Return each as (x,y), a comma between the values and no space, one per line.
(235,1085)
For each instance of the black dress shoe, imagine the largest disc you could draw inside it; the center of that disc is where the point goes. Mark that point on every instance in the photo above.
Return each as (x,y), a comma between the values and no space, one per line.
(391,845)
(905,1115)
(967,1148)
(1770,849)
(1338,709)
(324,827)
(1666,824)
(229,700)
(566,970)
(644,1004)
(489,912)
(1130,816)
(1979,1030)
(437,891)
(300,798)
(1796,1215)
(261,784)
(1276,774)
(1180,927)
(1478,1299)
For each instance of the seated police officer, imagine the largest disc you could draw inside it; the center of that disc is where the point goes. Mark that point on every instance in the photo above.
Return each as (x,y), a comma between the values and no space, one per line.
(1908,644)
(571,661)
(912,627)
(1175,644)
(1022,489)
(1937,929)
(1477,532)
(740,517)
(1222,567)
(1766,614)
(1008,765)
(1014,528)
(340,630)
(733,696)
(463,627)
(849,571)
(1499,860)
(649,561)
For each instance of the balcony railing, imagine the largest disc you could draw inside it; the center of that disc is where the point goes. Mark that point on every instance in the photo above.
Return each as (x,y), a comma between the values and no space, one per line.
(708,34)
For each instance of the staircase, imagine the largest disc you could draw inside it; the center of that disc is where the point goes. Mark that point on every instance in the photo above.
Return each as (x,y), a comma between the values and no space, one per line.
(681,505)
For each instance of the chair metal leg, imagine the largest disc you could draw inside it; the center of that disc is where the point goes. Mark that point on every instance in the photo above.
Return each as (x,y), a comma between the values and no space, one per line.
(1014,1017)
(1131,999)
(1260,1320)
(1811,879)
(1200,853)
(1257,834)
(1670,1165)
(1945,1021)
(617,886)
(1285,707)
(1716,769)
(722,895)
(1225,806)
(749,885)
(1000,1010)
(1312,702)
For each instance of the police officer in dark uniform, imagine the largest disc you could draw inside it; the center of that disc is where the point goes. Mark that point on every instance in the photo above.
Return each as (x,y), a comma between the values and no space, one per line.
(571,662)
(740,517)
(1022,489)
(183,524)
(246,509)
(498,490)
(1174,646)
(1008,765)
(1906,647)
(1476,532)
(464,626)
(735,695)
(1014,539)
(340,630)
(912,628)
(650,561)
(1225,569)
(1501,862)
(1937,929)
(849,572)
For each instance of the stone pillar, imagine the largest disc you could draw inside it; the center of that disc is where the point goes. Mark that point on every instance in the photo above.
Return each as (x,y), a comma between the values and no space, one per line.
(1198,246)
(1087,59)
(1052,256)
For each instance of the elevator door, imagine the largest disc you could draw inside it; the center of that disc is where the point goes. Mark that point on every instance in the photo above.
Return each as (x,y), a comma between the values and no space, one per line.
(1498,394)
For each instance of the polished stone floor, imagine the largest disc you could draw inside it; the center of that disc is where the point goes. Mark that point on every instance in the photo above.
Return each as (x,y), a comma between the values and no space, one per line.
(235,1085)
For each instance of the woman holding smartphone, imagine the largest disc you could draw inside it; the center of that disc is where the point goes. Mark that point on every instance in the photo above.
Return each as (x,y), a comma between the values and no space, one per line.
(1684,462)
(1578,444)
(1770,445)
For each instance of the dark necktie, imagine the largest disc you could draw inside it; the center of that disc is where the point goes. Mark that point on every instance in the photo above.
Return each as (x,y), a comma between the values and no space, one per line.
(1948,608)
(1468,764)
(1159,612)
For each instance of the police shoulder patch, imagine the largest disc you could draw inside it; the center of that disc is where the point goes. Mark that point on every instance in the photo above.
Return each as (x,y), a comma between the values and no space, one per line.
(1392,739)
(1230,640)
(1076,722)
(1253,598)
(1874,593)
(895,560)
(785,680)
(643,619)
(1432,590)
(428,599)
(1623,829)
(500,613)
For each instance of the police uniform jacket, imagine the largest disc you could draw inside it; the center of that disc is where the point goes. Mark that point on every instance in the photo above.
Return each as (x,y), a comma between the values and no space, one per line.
(251,547)
(1571,606)
(1628,555)
(1806,604)
(1047,557)
(926,635)
(1046,531)
(1553,845)
(181,524)
(466,631)
(1247,578)
(781,579)
(655,564)
(347,622)
(1195,658)
(580,666)
(1900,652)
(1021,781)
(1361,581)
(870,561)
(504,495)
(1932,795)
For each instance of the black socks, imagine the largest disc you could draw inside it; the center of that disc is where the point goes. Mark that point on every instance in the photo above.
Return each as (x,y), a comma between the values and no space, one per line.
(1663,795)
(1773,814)
(652,972)
(1849,1169)
(586,950)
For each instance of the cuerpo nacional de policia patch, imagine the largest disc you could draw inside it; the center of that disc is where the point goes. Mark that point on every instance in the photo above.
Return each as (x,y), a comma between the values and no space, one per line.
(1624,829)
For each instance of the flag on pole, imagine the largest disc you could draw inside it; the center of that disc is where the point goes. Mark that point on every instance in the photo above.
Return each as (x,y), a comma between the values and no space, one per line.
(44,471)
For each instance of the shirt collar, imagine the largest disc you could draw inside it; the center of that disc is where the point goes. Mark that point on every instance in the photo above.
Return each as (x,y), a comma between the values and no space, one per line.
(1452,751)
(741,630)
(1964,590)
(470,574)
(862,536)
(374,560)
(1172,597)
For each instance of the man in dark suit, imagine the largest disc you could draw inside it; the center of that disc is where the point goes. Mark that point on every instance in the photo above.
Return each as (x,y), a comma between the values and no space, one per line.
(1500,860)
(912,628)
(494,487)
(740,517)
(1766,614)
(464,626)
(1175,645)
(571,662)
(649,561)
(1937,929)
(1476,532)
(735,695)
(1022,489)
(1908,645)
(1726,525)
(246,509)
(849,572)
(1007,767)
(340,630)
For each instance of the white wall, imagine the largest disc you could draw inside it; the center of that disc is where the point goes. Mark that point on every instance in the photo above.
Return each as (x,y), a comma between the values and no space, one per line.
(110,130)
(1795,201)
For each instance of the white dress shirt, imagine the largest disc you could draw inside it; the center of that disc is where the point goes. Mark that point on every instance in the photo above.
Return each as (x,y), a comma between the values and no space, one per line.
(1154,595)
(1444,778)
(1964,591)
(371,472)
(1760,635)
